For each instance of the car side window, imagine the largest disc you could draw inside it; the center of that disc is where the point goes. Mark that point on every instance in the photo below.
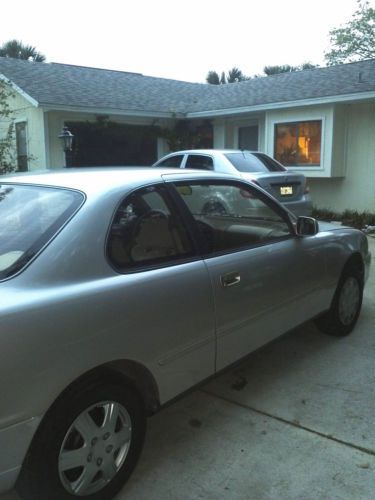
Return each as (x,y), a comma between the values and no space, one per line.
(232,216)
(146,230)
(172,162)
(201,162)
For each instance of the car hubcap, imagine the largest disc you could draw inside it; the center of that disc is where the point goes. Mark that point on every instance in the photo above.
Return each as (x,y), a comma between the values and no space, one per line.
(94,448)
(349,301)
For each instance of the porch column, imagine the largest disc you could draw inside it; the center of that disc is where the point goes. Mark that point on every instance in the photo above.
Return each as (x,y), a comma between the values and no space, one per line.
(219,135)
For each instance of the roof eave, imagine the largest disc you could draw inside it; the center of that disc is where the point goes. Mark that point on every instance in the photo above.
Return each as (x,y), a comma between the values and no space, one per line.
(282,105)
(113,111)
(18,89)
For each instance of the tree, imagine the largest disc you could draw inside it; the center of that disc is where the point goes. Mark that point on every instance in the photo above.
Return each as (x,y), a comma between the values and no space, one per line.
(17,50)
(287,68)
(234,75)
(7,150)
(355,40)
(213,78)
(308,65)
(274,70)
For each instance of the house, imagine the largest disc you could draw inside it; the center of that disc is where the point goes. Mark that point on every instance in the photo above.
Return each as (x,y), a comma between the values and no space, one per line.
(320,122)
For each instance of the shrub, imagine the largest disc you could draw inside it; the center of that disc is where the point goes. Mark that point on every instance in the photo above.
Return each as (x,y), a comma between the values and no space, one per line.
(351,218)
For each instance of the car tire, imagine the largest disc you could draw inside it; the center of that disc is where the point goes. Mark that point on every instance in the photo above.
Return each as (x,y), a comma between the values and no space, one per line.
(343,314)
(104,425)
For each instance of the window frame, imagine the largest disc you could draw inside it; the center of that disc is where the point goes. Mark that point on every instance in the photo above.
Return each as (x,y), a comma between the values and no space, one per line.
(297,123)
(145,266)
(197,234)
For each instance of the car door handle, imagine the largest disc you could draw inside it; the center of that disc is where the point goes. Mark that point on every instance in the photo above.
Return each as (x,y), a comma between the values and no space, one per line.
(230,279)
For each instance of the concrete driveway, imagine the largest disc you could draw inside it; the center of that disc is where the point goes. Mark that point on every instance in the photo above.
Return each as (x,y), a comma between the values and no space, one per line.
(295,421)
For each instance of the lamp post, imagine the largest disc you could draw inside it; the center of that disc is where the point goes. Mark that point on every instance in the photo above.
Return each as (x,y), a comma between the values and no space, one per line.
(66,138)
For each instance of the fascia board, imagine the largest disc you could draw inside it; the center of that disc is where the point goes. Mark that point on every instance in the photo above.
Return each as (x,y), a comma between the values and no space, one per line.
(18,89)
(113,111)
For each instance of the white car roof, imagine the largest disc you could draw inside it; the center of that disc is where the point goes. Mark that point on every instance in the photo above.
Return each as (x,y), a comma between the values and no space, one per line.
(210,151)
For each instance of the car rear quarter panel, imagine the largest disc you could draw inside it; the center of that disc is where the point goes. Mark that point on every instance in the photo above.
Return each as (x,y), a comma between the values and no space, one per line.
(69,312)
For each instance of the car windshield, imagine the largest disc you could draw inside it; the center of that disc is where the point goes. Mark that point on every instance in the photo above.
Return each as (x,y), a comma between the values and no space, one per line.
(29,217)
(253,162)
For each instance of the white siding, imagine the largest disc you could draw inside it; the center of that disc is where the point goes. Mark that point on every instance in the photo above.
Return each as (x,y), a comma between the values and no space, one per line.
(355,191)
(34,117)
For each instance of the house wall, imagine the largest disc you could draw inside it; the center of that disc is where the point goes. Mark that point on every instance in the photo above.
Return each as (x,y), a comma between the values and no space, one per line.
(345,179)
(356,189)
(24,111)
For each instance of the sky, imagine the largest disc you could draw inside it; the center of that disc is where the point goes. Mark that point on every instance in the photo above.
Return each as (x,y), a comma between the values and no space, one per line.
(177,39)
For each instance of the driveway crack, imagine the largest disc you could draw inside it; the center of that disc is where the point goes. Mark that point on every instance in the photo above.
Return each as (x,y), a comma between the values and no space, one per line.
(292,423)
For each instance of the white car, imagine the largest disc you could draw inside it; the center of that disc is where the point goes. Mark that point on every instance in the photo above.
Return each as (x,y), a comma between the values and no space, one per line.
(289,188)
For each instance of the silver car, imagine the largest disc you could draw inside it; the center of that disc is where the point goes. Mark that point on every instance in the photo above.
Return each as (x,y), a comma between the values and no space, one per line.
(288,187)
(119,292)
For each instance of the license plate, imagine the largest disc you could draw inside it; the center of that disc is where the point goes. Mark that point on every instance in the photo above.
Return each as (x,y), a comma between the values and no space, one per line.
(286,190)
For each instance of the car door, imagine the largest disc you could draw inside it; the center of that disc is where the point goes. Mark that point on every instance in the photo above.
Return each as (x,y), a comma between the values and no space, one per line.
(265,279)
(167,296)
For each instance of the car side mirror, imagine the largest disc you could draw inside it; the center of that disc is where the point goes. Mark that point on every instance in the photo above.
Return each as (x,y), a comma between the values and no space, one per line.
(307,226)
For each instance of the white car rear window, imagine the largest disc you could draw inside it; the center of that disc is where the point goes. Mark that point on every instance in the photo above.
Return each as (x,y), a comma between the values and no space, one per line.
(253,162)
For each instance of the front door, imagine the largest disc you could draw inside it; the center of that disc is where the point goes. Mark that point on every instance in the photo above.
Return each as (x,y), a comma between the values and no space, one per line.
(248,137)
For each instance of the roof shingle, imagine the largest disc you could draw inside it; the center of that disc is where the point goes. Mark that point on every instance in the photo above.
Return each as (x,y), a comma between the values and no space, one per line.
(63,85)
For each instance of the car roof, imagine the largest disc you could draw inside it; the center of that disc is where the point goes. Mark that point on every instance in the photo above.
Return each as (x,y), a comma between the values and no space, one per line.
(103,179)
(211,151)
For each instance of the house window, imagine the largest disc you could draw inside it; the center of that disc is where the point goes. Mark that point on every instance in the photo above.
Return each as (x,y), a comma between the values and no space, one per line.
(298,143)
(21,142)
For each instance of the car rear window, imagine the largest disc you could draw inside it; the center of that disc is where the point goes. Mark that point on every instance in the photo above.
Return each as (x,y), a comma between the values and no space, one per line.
(253,162)
(29,217)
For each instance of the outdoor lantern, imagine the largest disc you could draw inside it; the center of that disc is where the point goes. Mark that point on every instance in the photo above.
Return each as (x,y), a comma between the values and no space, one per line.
(67,139)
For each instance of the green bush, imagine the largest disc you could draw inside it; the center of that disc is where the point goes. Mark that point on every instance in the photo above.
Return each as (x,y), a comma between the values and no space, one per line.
(349,217)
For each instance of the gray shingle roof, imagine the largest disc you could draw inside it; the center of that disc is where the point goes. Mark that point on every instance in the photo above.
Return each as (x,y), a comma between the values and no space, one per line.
(76,86)
(61,85)
(344,79)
